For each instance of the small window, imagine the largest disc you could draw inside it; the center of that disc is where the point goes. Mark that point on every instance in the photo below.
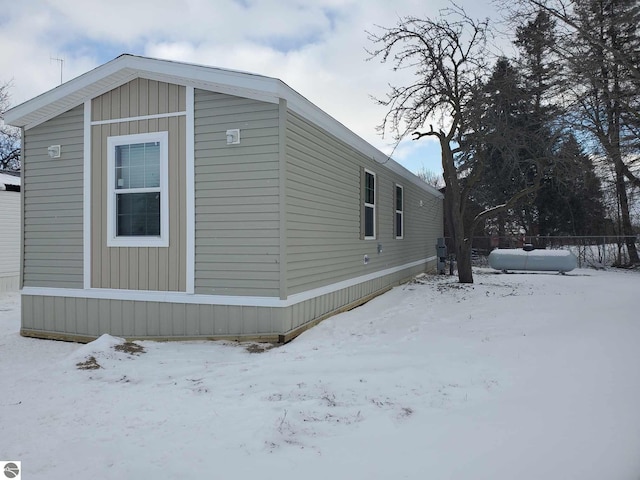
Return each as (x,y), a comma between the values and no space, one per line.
(399,209)
(137,206)
(369,205)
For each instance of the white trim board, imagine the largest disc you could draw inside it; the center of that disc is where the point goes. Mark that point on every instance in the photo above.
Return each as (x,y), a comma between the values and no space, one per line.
(182,297)
(190,193)
(86,204)
(139,117)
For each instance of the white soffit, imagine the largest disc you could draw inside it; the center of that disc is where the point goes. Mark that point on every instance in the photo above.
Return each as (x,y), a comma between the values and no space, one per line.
(248,85)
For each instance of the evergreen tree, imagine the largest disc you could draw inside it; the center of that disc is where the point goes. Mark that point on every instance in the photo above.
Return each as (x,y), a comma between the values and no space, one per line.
(538,63)
(513,143)
(500,135)
(570,201)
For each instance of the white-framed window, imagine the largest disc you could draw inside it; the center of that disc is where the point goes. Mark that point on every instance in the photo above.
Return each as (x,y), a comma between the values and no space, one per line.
(369,195)
(399,212)
(137,189)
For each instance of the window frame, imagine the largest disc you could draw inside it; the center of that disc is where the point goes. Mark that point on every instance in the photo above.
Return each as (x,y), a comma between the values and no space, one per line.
(366,205)
(162,240)
(398,212)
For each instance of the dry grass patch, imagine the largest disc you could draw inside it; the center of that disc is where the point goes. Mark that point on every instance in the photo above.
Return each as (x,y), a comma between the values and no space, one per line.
(89,364)
(259,347)
(130,347)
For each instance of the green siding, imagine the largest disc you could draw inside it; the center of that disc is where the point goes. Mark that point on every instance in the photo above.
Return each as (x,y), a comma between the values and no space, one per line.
(53,197)
(324,208)
(236,196)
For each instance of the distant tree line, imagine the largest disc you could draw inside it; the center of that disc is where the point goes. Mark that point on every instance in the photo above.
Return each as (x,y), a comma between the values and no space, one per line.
(527,141)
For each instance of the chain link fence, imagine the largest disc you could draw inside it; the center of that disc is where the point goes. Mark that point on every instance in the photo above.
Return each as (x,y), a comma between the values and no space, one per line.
(591,251)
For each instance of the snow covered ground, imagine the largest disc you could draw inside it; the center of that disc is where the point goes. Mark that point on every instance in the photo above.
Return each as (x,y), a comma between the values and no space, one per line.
(519,376)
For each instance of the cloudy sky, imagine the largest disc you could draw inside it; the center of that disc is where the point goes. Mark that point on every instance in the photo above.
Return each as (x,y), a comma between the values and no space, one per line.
(317,47)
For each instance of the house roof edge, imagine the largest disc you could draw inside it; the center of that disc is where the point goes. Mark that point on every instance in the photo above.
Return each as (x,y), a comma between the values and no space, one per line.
(127,66)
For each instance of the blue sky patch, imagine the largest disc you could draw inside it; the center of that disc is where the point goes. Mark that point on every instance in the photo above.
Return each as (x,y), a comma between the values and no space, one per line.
(100,50)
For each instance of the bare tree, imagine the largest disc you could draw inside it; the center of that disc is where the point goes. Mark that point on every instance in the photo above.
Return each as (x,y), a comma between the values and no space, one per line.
(430,177)
(578,29)
(9,136)
(451,61)
(605,89)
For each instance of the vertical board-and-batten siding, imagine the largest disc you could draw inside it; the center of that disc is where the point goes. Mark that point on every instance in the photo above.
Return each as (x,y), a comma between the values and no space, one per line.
(53,197)
(88,318)
(236,196)
(9,240)
(324,210)
(139,268)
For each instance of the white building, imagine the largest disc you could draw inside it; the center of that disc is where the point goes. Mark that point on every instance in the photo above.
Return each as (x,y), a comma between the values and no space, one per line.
(9,232)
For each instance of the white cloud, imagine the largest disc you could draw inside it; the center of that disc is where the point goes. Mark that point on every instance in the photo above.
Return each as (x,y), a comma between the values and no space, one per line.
(315,46)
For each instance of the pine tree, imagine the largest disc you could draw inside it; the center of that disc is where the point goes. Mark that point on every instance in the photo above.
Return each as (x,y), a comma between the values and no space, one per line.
(570,201)
(513,142)
(538,63)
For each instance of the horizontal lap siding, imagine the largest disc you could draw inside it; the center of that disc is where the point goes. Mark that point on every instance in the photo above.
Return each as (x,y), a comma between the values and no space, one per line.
(53,197)
(9,240)
(422,224)
(323,212)
(236,196)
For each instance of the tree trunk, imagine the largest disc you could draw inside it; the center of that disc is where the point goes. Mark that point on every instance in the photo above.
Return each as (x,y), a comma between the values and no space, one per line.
(615,152)
(463,254)
(627,229)
(454,203)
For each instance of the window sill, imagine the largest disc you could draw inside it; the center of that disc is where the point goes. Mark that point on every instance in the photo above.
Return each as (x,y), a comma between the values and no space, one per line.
(140,242)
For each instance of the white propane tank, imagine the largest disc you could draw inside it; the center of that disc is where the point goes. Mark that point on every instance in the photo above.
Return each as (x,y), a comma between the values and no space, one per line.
(541,260)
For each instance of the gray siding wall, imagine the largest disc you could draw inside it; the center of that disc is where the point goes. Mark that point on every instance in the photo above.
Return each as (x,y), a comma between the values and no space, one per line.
(301,313)
(84,319)
(9,240)
(70,317)
(324,208)
(139,97)
(53,197)
(236,196)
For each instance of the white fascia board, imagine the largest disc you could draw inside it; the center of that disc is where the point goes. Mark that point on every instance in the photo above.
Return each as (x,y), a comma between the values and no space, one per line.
(49,111)
(68,89)
(126,67)
(209,78)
